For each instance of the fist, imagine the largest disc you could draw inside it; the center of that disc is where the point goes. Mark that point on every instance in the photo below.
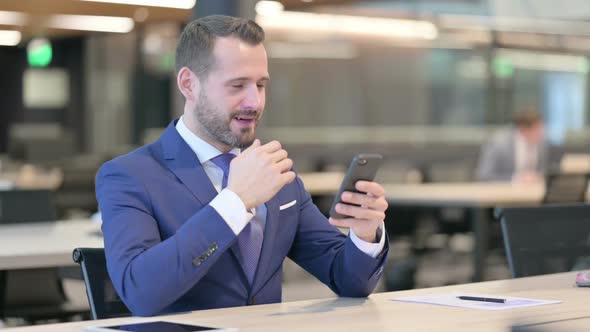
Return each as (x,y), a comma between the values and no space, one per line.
(259,172)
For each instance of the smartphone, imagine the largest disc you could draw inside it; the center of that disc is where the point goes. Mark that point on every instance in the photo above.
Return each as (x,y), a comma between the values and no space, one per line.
(362,167)
(157,326)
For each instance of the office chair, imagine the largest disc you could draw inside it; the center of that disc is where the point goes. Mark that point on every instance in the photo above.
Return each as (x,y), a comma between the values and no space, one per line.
(545,239)
(102,297)
(565,188)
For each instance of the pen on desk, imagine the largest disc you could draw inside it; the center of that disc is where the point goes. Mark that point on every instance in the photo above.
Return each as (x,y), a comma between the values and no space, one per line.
(481,299)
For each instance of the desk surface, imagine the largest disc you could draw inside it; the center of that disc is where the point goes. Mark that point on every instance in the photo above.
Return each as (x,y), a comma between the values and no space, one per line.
(377,313)
(31,178)
(322,183)
(483,194)
(45,244)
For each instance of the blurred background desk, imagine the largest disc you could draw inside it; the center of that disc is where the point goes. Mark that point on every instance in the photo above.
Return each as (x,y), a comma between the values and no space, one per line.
(477,199)
(322,183)
(31,178)
(378,313)
(45,244)
(33,282)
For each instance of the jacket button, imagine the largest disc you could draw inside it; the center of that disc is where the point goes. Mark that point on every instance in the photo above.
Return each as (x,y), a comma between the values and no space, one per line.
(197,261)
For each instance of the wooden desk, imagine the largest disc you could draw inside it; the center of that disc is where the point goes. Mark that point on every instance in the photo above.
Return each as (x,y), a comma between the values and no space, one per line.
(575,163)
(30,178)
(322,183)
(476,198)
(45,244)
(377,313)
(482,194)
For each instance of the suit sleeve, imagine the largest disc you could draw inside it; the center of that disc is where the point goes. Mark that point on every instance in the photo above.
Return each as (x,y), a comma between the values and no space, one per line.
(331,256)
(489,168)
(149,274)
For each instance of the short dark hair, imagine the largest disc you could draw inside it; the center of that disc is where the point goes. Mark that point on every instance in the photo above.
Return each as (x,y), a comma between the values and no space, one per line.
(195,46)
(527,118)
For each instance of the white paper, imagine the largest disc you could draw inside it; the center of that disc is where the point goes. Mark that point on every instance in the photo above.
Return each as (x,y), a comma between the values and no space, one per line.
(452,300)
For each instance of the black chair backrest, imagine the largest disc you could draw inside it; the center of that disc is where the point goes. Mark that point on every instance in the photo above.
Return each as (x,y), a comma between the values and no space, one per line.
(102,297)
(545,239)
(565,188)
(18,206)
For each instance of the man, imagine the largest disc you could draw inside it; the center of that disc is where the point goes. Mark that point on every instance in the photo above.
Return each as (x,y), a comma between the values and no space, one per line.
(204,217)
(518,154)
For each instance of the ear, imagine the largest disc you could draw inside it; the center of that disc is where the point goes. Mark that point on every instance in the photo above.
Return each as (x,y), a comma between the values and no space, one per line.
(188,84)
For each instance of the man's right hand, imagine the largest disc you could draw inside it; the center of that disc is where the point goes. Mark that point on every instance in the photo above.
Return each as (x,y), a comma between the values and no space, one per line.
(259,172)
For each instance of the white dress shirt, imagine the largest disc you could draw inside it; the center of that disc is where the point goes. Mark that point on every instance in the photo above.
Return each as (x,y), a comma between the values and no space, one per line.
(526,155)
(229,205)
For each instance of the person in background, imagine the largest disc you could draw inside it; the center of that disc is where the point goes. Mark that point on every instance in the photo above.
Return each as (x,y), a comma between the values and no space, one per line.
(517,154)
(205,216)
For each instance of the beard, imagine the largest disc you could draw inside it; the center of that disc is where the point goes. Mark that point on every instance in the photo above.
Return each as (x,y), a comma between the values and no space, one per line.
(215,124)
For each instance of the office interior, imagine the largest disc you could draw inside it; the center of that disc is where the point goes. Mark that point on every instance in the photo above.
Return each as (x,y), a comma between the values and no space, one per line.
(425,83)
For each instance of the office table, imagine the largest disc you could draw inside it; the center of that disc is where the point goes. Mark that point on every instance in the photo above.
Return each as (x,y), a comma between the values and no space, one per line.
(377,313)
(31,178)
(45,244)
(475,198)
(322,183)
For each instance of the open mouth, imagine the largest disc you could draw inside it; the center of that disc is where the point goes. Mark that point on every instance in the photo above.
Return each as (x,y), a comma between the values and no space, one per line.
(245,119)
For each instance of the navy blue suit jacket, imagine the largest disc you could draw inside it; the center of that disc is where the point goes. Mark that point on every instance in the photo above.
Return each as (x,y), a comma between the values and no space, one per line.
(169,251)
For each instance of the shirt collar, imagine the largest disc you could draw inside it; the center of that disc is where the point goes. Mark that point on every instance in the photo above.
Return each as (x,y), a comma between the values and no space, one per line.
(202,149)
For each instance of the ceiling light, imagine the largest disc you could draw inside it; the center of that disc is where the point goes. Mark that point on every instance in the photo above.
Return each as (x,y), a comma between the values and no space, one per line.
(332,50)
(350,25)
(180,4)
(514,24)
(91,23)
(267,8)
(12,18)
(9,37)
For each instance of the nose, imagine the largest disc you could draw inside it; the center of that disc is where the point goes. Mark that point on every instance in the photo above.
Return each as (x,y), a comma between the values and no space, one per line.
(254,98)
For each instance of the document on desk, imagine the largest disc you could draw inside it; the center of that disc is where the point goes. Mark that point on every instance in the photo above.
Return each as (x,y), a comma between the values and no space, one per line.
(475,301)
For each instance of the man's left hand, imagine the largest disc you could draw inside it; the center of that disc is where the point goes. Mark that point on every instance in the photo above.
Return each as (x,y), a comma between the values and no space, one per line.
(367,213)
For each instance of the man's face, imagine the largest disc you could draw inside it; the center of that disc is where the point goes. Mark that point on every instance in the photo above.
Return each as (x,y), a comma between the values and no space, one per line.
(534,134)
(232,97)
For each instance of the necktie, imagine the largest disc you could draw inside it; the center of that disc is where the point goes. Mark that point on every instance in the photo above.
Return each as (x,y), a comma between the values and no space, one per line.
(250,239)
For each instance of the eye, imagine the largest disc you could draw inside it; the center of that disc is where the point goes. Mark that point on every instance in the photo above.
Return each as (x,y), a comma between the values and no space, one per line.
(237,86)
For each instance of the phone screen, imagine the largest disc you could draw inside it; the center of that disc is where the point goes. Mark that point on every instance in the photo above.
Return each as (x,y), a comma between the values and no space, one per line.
(160,327)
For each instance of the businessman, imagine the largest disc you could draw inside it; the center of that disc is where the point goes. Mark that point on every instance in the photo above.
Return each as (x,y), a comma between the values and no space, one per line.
(204,217)
(517,154)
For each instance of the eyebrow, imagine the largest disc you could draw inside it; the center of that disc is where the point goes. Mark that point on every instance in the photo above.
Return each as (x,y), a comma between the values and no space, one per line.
(265,79)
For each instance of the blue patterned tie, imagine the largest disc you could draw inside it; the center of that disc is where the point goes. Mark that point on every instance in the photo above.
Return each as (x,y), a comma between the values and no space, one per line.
(250,239)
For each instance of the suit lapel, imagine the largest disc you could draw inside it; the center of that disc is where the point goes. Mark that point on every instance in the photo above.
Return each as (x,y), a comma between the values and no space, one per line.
(266,254)
(183,162)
